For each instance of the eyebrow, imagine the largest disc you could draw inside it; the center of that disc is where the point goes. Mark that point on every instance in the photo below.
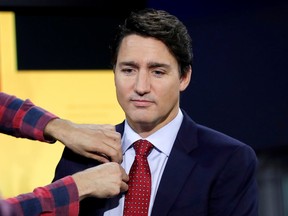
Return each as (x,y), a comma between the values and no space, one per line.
(129,63)
(156,64)
(150,64)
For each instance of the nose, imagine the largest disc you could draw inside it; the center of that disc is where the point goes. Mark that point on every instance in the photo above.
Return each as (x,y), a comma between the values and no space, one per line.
(142,85)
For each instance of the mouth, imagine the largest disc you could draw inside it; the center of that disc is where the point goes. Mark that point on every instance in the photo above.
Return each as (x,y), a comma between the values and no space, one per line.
(142,103)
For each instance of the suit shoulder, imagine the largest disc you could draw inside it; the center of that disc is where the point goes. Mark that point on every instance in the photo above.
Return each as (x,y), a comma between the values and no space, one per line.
(214,138)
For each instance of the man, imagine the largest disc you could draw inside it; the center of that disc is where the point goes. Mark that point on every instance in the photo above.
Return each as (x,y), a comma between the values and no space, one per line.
(195,170)
(23,119)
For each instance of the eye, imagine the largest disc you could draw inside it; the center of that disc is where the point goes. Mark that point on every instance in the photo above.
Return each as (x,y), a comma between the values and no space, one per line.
(158,73)
(127,71)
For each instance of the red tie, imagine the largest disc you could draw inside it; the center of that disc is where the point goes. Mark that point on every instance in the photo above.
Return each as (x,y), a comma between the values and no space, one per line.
(138,196)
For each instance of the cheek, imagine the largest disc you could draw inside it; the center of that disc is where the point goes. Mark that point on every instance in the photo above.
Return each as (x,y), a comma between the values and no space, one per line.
(168,89)
(121,91)
(119,84)
(169,94)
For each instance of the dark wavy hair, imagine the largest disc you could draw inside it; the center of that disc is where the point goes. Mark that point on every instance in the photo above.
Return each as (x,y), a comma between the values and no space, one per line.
(161,25)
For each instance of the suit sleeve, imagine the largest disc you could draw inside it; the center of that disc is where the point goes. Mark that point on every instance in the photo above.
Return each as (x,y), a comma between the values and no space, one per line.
(235,192)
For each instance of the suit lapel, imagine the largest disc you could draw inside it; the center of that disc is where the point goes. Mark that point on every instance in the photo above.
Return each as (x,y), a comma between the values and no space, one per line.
(178,167)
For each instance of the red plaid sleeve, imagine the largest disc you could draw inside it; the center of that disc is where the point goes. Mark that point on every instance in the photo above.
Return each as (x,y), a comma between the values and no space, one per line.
(57,199)
(21,118)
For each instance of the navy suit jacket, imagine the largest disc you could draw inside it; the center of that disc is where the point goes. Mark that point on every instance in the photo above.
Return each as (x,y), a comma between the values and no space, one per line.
(207,173)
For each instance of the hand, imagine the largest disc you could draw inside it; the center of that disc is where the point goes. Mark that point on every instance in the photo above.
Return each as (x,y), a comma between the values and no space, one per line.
(103,181)
(99,142)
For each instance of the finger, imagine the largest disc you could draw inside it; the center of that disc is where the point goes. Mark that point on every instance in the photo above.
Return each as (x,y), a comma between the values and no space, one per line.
(112,152)
(113,149)
(105,153)
(118,158)
(116,155)
(123,187)
(113,140)
(125,177)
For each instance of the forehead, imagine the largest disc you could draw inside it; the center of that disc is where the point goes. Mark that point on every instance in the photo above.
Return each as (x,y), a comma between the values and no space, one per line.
(139,48)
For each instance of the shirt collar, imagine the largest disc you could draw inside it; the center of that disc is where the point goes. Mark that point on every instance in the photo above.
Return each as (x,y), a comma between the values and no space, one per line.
(162,139)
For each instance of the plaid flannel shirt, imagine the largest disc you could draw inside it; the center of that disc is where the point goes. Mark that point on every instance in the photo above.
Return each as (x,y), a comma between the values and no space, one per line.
(23,119)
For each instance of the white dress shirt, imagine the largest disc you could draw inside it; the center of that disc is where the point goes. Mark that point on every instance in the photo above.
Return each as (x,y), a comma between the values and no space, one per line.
(163,141)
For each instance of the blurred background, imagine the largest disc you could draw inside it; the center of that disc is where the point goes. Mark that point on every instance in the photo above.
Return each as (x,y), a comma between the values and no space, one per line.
(56,53)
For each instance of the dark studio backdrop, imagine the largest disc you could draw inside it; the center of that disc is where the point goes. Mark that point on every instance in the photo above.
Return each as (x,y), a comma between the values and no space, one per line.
(239,83)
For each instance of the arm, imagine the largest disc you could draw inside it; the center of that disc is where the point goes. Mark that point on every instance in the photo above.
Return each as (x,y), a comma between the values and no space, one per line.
(23,119)
(62,197)
(58,198)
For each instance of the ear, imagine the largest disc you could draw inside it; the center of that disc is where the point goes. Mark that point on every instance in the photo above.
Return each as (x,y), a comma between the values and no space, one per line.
(185,79)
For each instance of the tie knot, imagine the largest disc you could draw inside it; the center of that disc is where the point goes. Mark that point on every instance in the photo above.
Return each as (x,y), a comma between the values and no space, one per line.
(142,147)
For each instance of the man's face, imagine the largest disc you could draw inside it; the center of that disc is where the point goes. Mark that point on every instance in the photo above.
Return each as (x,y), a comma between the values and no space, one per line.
(148,83)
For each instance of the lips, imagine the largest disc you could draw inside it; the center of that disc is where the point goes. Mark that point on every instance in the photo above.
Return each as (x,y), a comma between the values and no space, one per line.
(141,103)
